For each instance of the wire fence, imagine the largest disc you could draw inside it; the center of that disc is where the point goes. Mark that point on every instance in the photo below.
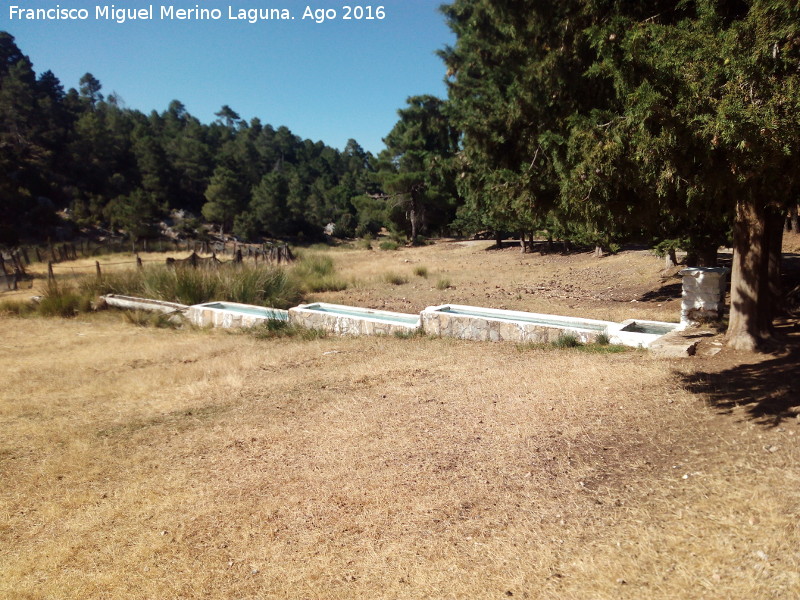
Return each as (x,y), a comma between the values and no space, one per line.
(15,264)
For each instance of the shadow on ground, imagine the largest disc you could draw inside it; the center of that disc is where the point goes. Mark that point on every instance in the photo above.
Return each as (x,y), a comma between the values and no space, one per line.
(769,389)
(669,291)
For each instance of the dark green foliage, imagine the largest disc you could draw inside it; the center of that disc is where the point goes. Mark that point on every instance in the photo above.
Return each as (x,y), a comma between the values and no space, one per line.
(416,169)
(389,245)
(111,165)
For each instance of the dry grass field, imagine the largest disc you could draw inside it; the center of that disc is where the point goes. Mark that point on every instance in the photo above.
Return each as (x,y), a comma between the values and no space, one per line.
(148,463)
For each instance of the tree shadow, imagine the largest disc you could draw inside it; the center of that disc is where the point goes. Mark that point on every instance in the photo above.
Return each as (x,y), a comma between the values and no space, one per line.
(668,291)
(769,388)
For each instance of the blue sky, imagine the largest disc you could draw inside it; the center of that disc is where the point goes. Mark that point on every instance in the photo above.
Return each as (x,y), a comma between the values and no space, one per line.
(326,81)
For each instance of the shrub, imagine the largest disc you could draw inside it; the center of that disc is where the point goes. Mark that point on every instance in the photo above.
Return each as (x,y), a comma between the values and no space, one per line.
(443,284)
(421,271)
(389,245)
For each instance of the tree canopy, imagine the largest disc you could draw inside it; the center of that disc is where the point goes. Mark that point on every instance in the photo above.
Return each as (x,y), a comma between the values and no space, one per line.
(667,120)
(107,164)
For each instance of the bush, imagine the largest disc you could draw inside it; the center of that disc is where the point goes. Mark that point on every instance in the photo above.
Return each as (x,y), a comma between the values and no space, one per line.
(389,245)
(421,271)
(443,284)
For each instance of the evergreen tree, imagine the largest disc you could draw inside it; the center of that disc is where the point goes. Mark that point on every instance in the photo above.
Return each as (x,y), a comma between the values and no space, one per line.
(413,168)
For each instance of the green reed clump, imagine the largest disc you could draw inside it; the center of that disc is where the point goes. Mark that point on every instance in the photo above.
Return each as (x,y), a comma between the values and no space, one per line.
(63,301)
(249,284)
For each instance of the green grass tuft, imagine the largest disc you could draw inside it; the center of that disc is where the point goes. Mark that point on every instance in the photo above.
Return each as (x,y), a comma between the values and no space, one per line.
(275,328)
(395,278)
(315,273)
(260,285)
(19,308)
(566,340)
(64,302)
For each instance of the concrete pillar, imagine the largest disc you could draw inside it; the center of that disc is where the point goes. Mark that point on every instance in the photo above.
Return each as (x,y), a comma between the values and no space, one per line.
(703,294)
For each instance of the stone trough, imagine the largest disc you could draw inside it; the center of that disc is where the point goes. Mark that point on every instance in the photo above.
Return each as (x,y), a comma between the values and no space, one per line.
(448,320)
(134,303)
(352,320)
(232,314)
(495,325)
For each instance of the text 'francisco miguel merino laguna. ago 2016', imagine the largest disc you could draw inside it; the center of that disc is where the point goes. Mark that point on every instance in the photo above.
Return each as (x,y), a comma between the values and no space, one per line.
(110,12)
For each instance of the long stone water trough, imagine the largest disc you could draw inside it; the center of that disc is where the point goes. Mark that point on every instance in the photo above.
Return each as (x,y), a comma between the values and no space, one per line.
(352,320)
(134,303)
(448,320)
(496,325)
(233,314)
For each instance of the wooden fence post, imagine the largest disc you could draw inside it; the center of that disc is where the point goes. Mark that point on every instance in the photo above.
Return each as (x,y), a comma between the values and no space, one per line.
(139,262)
(99,273)
(50,276)
(3,270)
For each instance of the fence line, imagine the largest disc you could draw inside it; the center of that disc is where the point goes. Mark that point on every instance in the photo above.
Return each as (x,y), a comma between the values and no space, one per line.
(13,263)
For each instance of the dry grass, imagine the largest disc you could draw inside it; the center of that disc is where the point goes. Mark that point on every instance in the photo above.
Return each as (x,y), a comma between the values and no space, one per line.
(146,463)
(611,288)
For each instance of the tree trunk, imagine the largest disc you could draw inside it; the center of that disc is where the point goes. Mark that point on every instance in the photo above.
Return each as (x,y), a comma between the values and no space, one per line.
(707,257)
(498,239)
(598,252)
(773,291)
(794,222)
(702,257)
(750,321)
(670,259)
(522,248)
(530,242)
